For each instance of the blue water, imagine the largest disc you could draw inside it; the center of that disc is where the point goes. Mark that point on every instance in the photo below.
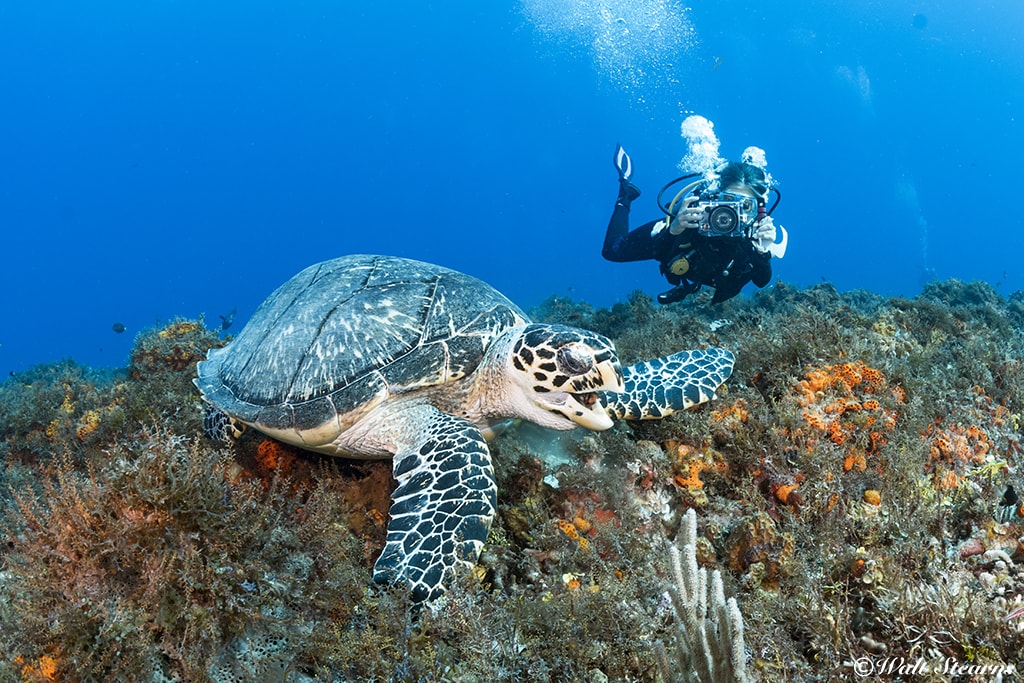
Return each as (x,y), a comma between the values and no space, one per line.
(176,157)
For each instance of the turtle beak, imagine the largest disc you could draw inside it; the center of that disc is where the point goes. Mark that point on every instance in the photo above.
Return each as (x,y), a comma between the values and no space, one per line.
(562,372)
(581,403)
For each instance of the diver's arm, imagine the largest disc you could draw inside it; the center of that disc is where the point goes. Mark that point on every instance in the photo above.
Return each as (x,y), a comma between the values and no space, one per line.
(760,254)
(761,271)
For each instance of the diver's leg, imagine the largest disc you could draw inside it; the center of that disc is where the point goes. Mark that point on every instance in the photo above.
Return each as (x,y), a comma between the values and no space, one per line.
(618,224)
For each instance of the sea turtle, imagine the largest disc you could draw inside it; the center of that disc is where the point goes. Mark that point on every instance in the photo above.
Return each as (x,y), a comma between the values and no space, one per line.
(380,357)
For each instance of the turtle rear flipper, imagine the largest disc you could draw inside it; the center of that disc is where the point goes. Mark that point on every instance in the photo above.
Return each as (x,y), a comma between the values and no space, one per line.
(657,388)
(219,427)
(443,506)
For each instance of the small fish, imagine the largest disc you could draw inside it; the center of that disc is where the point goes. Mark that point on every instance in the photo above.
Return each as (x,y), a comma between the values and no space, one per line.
(118,328)
(1008,508)
(226,320)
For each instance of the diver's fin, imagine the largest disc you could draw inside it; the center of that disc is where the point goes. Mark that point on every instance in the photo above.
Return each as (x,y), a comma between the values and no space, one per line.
(623,164)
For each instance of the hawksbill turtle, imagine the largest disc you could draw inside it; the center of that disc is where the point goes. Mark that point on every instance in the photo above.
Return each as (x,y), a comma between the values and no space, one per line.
(378,357)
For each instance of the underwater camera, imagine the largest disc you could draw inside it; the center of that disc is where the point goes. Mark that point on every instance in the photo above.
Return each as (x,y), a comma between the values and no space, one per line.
(726,215)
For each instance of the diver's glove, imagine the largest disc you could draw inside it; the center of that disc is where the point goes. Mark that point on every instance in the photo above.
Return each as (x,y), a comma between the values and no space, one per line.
(764,235)
(764,238)
(688,217)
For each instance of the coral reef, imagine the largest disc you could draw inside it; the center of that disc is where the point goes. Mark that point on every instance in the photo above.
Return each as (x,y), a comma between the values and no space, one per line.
(856,490)
(158,564)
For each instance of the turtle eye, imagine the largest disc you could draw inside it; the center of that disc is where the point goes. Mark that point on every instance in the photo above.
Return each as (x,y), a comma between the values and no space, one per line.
(574,361)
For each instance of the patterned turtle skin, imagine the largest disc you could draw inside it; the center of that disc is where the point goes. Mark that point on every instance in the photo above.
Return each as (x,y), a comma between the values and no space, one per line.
(378,357)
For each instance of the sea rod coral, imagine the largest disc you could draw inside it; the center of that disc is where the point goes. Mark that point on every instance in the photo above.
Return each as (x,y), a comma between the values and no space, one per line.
(709,645)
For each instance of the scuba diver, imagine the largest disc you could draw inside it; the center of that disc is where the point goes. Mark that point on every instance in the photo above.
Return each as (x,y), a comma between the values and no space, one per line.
(717,230)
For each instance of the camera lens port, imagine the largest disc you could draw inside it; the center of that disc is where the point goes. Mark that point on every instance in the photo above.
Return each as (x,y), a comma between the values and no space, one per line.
(722,220)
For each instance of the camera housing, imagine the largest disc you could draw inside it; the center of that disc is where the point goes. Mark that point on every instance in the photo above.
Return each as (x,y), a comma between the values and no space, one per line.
(730,216)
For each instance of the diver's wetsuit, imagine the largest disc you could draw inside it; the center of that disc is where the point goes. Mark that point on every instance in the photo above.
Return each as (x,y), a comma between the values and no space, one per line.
(725,263)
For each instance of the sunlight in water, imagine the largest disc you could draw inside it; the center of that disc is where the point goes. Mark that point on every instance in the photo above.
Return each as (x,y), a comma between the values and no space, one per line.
(635,44)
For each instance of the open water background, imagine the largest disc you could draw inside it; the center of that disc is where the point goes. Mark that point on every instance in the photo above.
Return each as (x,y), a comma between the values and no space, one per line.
(178,157)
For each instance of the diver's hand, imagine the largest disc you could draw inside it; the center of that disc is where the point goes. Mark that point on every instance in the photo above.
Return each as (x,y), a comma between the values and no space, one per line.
(688,217)
(764,235)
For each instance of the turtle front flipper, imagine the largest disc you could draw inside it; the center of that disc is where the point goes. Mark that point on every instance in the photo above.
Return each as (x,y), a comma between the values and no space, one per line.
(657,388)
(443,506)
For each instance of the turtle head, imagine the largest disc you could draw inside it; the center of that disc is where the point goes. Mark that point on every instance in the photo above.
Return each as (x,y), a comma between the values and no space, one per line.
(559,371)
